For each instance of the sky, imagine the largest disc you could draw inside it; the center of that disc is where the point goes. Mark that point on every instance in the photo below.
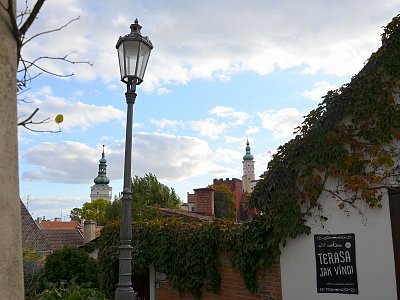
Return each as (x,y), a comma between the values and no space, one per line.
(221,72)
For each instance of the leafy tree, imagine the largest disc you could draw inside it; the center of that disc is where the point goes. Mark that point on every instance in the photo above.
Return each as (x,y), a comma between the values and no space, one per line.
(224,202)
(147,194)
(95,211)
(76,214)
(113,210)
(148,191)
(69,264)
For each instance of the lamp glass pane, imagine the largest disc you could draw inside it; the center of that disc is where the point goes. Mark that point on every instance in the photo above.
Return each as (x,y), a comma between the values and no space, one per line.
(143,59)
(131,54)
(121,59)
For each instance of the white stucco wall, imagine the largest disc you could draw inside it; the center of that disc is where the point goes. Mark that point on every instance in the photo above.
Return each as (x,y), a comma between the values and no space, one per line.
(374,254)
(11,275)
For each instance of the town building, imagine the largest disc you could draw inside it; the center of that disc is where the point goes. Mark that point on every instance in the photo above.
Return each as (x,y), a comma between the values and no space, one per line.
(249,177)
(202,200)
(101,188)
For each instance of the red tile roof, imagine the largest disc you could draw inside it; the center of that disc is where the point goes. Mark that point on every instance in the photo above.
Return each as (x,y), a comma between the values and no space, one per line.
(187,216)
(61,237)
(60,225)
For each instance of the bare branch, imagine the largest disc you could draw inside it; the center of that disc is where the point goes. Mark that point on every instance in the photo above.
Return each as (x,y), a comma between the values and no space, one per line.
(48,72)
(24,28)
(19,27)
(23,100)
(52,30)
(29,121)
(64,58)
(28,64)
(21,14)
(47,131)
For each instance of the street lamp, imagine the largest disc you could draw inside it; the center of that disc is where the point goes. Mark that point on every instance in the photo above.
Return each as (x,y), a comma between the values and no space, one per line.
(133,55)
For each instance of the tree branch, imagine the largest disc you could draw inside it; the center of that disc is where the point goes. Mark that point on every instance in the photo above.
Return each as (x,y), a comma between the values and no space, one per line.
(29,121)
(52,30)
(64,58)
(32,16)
(19,32)
(48,72)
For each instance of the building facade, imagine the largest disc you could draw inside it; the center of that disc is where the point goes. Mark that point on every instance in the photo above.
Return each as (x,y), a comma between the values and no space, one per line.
(241,189)
(101,188)
(249,177)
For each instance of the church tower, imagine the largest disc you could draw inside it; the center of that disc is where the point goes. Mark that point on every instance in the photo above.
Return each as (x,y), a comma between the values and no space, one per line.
(101,189)
(248,178)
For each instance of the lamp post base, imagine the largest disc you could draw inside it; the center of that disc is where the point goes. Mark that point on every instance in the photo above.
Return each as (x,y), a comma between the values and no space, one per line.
(125,293)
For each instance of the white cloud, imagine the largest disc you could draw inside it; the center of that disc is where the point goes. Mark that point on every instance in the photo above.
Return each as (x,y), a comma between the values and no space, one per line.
(226,112)
(113,87)
(319,89)
(171,157)
(72,162)
(163,91)
(166,156)
(167,123)
(229,113)
(252,130)
(137,125)
(209,127)
(23,139)
(77,114)
(66,162)
(331,37)
(228,156)
(53,206)
(78,93)
(262,160)
(233,139)
(281,122)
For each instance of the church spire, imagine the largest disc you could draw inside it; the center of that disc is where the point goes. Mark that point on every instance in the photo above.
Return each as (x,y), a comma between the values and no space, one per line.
(248,178)
(102,174)
(101,189)
(248,155)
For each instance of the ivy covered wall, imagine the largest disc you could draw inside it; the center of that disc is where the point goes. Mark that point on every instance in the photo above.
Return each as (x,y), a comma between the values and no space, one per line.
(333,177)
(336,171)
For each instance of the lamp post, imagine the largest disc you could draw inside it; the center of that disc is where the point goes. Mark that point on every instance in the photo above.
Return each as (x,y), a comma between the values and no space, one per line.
(133,55)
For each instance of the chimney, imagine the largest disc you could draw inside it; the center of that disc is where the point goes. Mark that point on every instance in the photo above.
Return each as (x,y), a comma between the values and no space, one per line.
(89,231)
(204,201)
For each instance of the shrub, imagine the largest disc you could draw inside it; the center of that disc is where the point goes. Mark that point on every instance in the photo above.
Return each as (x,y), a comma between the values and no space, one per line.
(33,263)
(69,264)
(32,272)
(71,291)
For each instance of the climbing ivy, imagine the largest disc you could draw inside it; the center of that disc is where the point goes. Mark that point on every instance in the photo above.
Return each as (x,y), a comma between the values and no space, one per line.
(352,136)
(187,252)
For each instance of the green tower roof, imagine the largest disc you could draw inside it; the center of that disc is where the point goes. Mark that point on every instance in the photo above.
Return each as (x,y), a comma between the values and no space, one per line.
(248,155)
(102,177)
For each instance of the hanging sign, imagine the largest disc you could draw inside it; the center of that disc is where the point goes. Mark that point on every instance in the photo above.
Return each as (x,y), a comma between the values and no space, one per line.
(335,258)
